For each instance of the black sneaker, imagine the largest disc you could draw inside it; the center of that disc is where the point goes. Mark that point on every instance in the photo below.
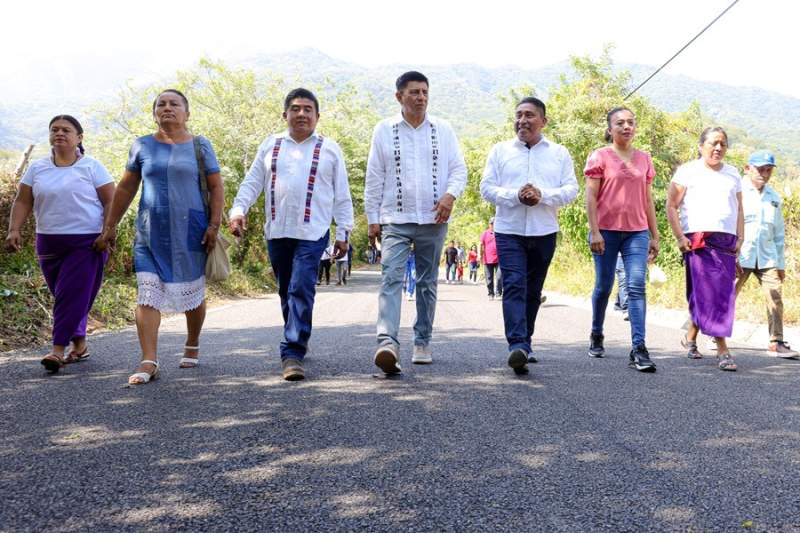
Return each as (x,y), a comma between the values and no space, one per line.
(640,359)
(518,361)
(532,358)
(596,345)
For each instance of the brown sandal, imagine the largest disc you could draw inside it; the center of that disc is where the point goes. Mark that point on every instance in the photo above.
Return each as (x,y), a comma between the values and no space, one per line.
(726,362)
(75,357)
(52,363)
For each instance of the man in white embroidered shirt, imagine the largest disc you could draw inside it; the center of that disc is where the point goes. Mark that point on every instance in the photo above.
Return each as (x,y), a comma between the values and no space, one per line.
(528,179)
(415,171)
(305,185)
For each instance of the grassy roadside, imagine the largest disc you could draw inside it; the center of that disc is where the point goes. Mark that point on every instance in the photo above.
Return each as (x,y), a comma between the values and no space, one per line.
(572,272)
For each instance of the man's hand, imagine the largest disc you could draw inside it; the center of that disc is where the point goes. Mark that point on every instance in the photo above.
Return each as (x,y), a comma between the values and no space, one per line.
(652,250)
(781,275)
(529,195)
(684,244)
(374,234)
(106,240)
(339,249)
(443,208)
(238,225)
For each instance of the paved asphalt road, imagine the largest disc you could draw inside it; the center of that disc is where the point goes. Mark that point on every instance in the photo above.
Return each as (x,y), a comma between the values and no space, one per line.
(580,444)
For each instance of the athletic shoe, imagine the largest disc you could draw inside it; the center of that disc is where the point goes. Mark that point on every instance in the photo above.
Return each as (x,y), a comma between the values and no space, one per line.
(532,358)
(781,349)
(387,360)
(422,355)
(518,361)
(596,345)
(292,369)
(640,359)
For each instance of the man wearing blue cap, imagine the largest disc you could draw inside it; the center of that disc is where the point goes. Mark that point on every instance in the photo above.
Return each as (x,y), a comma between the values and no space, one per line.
(762,253)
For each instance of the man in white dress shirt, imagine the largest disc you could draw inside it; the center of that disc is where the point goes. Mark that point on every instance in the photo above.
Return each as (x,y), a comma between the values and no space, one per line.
(415,171)
(305,185)
(528,179)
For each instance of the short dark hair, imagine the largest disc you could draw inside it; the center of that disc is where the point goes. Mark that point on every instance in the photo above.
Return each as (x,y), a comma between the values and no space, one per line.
(408,77)
(72,120)
(174,91)
(611,113)
(300,92)
(535,102)
(708,131)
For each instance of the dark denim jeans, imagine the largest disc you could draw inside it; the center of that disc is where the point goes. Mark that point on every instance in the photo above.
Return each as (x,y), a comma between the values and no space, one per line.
(524,262)
(295,262)
(632,246)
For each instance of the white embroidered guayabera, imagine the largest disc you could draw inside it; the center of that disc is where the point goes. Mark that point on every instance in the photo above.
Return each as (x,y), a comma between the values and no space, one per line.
(169,297)
(398,167)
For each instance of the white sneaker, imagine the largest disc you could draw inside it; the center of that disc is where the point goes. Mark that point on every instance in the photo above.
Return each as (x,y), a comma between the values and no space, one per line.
(387,360)
(422,355)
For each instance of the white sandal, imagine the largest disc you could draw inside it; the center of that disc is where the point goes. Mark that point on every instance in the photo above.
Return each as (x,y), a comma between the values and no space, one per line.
(191,362)
(144,377)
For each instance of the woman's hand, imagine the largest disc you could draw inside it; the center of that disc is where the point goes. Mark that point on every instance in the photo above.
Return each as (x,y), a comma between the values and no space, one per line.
(106,240)
(684,244)
(13,241)
(652,250)
(596,243)
(210,238)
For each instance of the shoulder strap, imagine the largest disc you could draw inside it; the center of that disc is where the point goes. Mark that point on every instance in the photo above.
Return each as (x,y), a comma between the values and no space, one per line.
(201,168)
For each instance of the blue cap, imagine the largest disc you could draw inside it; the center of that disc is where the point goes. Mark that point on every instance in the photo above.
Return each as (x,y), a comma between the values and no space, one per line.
(761,158)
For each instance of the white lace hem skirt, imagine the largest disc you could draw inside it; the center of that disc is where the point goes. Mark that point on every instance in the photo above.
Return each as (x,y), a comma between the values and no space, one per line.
(169,297)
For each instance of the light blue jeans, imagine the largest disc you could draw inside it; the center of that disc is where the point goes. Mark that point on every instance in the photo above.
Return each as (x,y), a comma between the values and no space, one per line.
(632,246)
(428,240)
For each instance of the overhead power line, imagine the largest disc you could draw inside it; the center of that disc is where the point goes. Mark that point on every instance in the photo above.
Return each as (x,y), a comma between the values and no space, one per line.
(682,49)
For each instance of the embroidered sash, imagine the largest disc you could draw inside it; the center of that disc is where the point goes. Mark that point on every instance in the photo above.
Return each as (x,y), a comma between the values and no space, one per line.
(312,177)
(398,167)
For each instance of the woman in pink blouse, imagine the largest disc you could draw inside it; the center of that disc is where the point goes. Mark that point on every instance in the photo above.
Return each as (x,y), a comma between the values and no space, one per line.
(622,220)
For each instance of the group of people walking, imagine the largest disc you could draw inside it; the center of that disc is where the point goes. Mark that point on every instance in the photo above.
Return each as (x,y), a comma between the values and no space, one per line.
(415,172)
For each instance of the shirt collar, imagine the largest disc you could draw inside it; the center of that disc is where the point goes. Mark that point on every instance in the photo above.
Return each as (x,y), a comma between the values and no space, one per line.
(399,119)
(313,137)
(544,141)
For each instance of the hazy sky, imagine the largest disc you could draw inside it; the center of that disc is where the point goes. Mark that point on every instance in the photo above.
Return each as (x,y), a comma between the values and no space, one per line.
(744,48)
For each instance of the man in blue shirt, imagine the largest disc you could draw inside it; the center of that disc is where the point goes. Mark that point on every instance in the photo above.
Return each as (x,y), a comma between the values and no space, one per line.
(762,253)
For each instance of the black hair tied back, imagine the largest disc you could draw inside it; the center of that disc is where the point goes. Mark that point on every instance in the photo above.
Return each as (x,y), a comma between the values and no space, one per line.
(74,121)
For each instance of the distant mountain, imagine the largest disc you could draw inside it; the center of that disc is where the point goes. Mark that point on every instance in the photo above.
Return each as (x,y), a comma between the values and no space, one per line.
(466,94)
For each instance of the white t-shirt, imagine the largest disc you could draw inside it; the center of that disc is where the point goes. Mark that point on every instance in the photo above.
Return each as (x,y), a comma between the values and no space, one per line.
(710,202)
(65,199)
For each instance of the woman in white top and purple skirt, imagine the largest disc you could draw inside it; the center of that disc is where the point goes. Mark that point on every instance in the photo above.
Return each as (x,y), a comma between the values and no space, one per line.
(704,208)
(68,193)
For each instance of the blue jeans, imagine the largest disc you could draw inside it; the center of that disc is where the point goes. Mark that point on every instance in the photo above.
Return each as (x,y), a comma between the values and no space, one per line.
(524,262)
(428,240)
(494,283)
(632,245)
(295,263)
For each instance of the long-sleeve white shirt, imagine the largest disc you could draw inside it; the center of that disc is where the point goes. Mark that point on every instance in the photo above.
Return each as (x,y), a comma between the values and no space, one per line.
(410,169)
(295,216)
(547,166)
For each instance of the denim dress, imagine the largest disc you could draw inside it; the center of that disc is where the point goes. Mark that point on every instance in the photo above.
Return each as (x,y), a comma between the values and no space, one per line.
(168,254)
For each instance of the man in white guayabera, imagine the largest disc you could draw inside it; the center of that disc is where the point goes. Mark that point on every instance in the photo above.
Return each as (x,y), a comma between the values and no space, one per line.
(415,171)
(528,179)
(304,180)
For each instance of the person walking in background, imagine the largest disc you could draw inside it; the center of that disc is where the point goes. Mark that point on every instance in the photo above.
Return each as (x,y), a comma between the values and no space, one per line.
(341,268)
(622,224)
(460,260)
(350,253)
(704,209)
(325,265)
(415,172)
(762,252)
(491,263)
(450,261)
(304,179)
(528,179)
(173,232)
(68,193)
(410,279)
(473,260)
(621,301)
